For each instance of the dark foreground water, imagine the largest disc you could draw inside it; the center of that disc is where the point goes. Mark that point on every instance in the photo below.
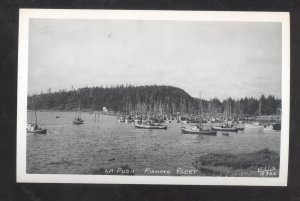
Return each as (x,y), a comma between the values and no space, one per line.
(85,149)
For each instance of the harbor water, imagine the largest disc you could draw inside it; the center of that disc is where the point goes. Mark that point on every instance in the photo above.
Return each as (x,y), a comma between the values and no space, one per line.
(106,144)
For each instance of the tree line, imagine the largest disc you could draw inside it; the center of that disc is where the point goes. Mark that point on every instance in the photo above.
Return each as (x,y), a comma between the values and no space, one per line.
(149,99)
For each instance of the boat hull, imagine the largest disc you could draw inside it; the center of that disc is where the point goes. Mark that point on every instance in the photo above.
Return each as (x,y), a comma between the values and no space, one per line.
(77,122)
(219,128)
(39,131)
(198,132)
(251,126)
(276,126)
(144,126)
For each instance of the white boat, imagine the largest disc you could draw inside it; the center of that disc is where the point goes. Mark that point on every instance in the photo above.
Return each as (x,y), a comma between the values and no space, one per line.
(34,128)
(254,126)
(129,120)
(268,128)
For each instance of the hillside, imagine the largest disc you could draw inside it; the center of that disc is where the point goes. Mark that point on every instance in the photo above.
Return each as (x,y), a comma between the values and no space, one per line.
(121,98)
(144,99)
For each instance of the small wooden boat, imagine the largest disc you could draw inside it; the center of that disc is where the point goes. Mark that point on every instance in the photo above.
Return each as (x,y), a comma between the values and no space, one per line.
(34,128)
(197,130)
(224,128)
(240,128)
(150,126)
(129,120)
(57,117)
(268,128)
(78,121)
(276,126)
(121,119)
(254,126)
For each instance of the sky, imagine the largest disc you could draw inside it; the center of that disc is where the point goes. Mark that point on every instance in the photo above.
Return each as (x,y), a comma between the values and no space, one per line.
(216,59)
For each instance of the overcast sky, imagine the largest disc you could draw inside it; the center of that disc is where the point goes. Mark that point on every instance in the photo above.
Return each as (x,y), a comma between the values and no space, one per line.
(218,59)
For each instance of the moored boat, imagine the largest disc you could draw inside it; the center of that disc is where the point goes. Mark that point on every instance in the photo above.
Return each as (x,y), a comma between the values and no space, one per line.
(225,133)
(268,128)
(150,126)
(34,128)
(197,130)
(78,121)
(225,128)
(276,126)
(253,126)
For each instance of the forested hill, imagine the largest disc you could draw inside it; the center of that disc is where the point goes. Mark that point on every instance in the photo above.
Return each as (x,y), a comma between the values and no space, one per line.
(144,99)
(120,98)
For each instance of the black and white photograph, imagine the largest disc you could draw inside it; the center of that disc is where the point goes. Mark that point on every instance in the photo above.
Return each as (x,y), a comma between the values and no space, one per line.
(153,97)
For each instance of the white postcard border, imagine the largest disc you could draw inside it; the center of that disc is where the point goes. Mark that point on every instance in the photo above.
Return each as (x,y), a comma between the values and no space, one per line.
(26,14)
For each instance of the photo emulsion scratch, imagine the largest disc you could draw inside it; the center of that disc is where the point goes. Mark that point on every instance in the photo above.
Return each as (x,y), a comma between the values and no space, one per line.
(108,98)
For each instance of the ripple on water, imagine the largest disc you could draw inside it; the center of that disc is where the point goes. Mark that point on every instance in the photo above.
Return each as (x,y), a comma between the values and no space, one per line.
(84,149)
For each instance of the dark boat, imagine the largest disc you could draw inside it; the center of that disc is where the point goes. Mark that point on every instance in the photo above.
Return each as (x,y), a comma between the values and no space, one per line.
(78,121)
(150,126)
(225,128)
(197,130)
(225,133)
(276,126)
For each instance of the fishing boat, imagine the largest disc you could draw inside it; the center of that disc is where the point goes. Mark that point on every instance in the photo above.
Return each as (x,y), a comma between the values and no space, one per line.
(276,126)
(34,128)
(197,130)
(268,128)
(184,120)
(129,119)
(78,120)
(224,127)
(225,133)
(254,125)
(150,126)
(121,119)
(240,128)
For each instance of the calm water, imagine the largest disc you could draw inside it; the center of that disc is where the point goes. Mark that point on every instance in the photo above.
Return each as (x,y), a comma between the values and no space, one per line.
(84,149)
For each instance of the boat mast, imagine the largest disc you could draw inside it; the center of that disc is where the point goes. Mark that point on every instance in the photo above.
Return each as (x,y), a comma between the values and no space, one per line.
(35,116)
(79,111)
(259,107)
(200,109)
(227,111)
